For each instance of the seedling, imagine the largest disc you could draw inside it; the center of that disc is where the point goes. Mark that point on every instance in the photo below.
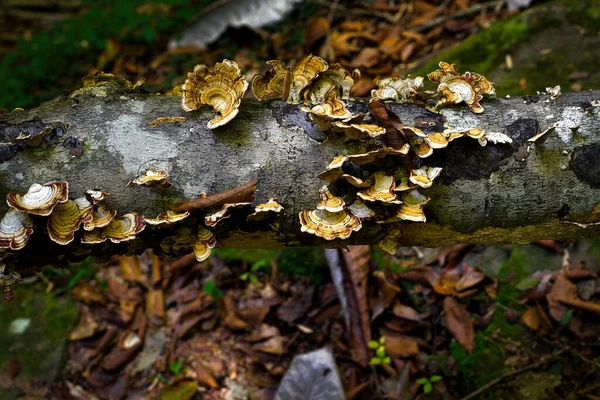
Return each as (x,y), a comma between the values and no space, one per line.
(380,355)
(427,383)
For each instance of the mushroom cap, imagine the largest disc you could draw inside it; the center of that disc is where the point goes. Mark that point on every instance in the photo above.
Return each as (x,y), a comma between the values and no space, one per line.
(389,243)
(40,199)
(334,169)
(330,110)
(66,218)
(167,217)
(222,89)
(402,181)
(122,228)
(330,202)
(424,176)
(329,225)
(152,177)
(205,241)
(381,190)
(213,218)
(303,73)
(15,229)
(273,84)
(96,195)
(412,207)
(397,89)
(361,210)
(101,216)
(264,209)
(358,131)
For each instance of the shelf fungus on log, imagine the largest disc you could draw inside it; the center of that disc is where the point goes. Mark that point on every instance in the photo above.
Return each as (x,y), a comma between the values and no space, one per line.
(153,178)
(213,218)
(382,189)
(329,202)
(8,280)
(122,228)
(183,240)
(402,181)
(323,114)
(15,229)
(336,80)
(397,89)
(66,218)
(40,199)
(274,84)
(357,131)
(205,241)
(329,225)
(454,88)
(167,217)
(412,206)
(361,210)
(389,243)
(222,89)
(101,217)
(96,196)
(424,176)
(302,75)
(263,210)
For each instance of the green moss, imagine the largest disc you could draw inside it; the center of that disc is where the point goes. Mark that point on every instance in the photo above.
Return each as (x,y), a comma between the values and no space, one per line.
(384,261)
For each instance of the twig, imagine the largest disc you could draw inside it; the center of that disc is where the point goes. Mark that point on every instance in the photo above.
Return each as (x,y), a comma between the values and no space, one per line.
(513,373)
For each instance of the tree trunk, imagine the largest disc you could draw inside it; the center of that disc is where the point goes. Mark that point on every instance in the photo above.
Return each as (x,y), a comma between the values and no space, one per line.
(501,193)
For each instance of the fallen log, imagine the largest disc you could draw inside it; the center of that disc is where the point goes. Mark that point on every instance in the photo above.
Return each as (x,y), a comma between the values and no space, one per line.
(502,193)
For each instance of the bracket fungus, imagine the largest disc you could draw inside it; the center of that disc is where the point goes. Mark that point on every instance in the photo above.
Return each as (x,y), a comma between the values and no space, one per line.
(167,217)
(96,196)
(66,218)
(215,217)
(361,210)
(357,131)
(101,216)
(424,176)
(389,243)
(329,202)
(412,206)
(261,211)
(205,241)
(122,228)
(153,178)
(397,89)
(8,280)
(336,81)
(323,114)
(274,84)
(303,73)
(329,225)
(222,89)
(455,88)
(15,229)
(382,189)
(40,199)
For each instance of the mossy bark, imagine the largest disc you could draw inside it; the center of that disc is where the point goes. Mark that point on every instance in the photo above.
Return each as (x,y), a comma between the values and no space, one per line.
(501,193)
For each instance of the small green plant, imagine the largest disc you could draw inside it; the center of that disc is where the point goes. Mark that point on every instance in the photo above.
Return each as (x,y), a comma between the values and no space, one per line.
(427,383)
(212,290)
(80,271)
(251,274)
(380,356)
(176,366)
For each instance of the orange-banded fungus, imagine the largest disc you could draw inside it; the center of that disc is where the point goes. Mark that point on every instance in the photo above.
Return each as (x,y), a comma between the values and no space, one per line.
(213,218)
(329,202)
(95,196)
(153,178)
(335,80)
(440,140)
(397,89)
(334,169)
(303,73)
(274,84)
(40,199)
(402,181)
(342,78)
(323,114)
(361,210)
(205,241)
(329,225)
(381,190)
(357,131)
(183,240)
(412,207)
(424,176)
(15,229)
(222,89)
(8,280)
(369,157)
(354,181)
(481,84)
(101,216)
(261,211)
(66,218)
(122,228)
(167,217)
(419,146)
(389,243)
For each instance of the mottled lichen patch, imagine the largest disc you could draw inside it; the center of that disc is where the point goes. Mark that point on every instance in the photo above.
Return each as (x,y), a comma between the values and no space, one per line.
(585,163)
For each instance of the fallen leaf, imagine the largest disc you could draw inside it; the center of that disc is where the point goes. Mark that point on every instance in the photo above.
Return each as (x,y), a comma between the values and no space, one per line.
(459,323)
(368,57)
(563,289)
(470,278)
(204,375)
(400,346)
(239,194)
(315,30)
(582,305)
(83,291)
(183,389)
(406,312)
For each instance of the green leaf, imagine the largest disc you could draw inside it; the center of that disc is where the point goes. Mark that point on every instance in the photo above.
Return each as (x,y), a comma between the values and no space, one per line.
(380,352)
(435,378)
(175,367)
(527,283)
(387,360)
(244,276)
(427,387)
(373,344)
(422,381)
(253,279)
(375,361)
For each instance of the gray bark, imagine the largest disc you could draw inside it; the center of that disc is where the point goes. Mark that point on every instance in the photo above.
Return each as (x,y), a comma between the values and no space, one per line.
(501,193)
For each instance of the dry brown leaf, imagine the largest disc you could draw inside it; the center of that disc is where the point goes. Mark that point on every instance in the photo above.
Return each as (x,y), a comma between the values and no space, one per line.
(239,194)
(563,289)
(470,278)
(368,57)
(155,304)
(315,30)
(406,312)
(582,305)
(459,323)
(400,346)
(204,375)
(83,291)
(391,122)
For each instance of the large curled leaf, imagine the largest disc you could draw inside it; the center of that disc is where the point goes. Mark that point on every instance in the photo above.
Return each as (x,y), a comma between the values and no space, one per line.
(236,13)
(311,376)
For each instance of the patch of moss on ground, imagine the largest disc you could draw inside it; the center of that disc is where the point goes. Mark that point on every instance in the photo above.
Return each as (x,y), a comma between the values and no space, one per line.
(384,261)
